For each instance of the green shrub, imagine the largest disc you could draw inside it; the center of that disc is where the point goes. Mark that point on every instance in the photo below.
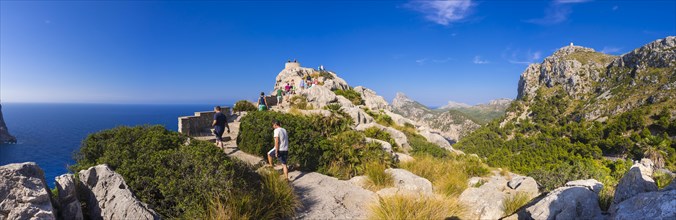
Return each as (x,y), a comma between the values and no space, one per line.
(420,145)
(662,179)
(175,179)
(449,176)
(299,102)
(351,95)
(244,106)
(377,133)
(345,155)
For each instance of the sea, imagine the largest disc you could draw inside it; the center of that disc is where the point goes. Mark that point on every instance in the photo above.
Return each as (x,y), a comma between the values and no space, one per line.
(51,134)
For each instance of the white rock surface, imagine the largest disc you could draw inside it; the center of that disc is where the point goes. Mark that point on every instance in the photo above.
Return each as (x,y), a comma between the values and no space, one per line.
(69,206)
(372,100)
(576,202)
(24,193)
(637,180)
(485,201)
(591,184)
(399,137)
(108,196)
(319,96)
(407,183)
(325,197)
(650,205)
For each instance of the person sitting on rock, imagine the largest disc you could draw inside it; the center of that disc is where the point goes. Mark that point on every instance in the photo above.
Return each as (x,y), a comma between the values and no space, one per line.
(281,147)
(220,124)
(287,88)
(262,103)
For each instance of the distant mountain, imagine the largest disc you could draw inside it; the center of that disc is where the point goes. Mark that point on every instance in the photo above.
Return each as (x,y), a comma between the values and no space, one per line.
(455,105)
(481,113)
(453,124)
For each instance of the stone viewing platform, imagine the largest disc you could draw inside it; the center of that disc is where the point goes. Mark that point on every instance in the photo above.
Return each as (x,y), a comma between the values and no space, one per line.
(199,125)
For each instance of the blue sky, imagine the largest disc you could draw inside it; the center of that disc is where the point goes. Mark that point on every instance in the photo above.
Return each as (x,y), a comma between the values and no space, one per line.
(216,52)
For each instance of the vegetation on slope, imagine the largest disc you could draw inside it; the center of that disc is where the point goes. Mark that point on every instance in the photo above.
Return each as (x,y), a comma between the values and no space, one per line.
(179,180)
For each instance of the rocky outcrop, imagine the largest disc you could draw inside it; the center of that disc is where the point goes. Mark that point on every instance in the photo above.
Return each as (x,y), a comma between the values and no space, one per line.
(359,116)
(398,136)
(296,74)
(5,137)
(591,184)
(437,139)
(658,54)
(650,205)
(372,100)
(574,202)
(24,193)
(108,196)
(485,201)
(407,183)
(637,180)
(325,197)
(319,96)
(69,206)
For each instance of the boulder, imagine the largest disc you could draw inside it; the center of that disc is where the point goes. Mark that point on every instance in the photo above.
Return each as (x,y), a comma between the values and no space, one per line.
(342,101)
(5,137)
(407,183)
(24,193)
(437,139)
(570,202)
(108,196)
(398,136)
(403,158)
(325,197)
(372,100)
(319,96)
(649,205)
(399,119)
(69,206)
(637,180)
(485,201)
(591,184)
(361,181)
(358,115)
(387,147)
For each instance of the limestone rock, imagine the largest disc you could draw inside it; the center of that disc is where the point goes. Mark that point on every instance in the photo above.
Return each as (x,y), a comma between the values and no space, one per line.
(437,139)
(342,101)
(485,201)
(358,115)
(591,184)
(5,137)
(400,119)
(372,100)
(69,206)
(403,158)
(296,74)
(387,147)
(360,181)
(398,136)
(108,196)
(650,205)
(576,202)
(319,96)
(325,197)
(24,193)
(637,180)
(407,183)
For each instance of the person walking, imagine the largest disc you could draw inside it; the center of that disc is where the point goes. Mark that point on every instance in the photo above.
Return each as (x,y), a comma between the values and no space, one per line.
(279,96)
(281,147)
(219,124)
(262,103)
(302,84)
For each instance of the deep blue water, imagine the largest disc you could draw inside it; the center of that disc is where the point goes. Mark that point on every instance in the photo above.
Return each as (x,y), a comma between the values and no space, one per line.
(50,134)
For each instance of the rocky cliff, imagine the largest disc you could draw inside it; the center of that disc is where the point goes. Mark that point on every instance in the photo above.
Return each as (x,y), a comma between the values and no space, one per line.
(5,137)
(600,85)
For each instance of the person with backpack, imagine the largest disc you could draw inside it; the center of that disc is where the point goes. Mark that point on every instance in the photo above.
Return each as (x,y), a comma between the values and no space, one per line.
(262,103)
(219,124)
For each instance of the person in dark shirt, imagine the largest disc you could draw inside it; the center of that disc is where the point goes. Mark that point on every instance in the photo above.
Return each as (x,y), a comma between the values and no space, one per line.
(220,124)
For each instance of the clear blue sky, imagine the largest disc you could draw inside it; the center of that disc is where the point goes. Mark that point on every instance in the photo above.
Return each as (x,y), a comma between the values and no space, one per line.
(221,51)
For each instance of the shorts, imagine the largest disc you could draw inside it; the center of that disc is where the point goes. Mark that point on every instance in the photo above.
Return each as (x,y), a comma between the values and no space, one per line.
(218,131)
(262,107)
(283,155)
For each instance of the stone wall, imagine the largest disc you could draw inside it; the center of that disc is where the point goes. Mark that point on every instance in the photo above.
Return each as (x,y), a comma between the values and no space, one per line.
(291,65)
(199,124)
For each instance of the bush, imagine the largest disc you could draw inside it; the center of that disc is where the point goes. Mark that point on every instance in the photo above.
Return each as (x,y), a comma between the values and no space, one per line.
(513,202)
(175,179)
(662,179)
(351,95)
(377,133)
(345,155)
(299,102)
(244,106)
(402,207)
(420,146)
(449,176)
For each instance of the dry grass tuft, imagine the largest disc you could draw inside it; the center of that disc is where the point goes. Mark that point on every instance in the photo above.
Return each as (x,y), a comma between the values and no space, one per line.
(404,207)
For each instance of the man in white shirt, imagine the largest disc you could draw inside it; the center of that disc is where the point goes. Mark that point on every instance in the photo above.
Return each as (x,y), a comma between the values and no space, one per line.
(281,149)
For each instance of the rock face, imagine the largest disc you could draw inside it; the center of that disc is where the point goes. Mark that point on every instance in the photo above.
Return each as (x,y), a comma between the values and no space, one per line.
(296,74)
(326,197)
(591,184)
(372,100)
(650,205)
(637,180)
(319,96)
(5,137)
(485,201)
(108,196)
(398,136)
(407,183)
(24,193)
(574,202)
(69,206)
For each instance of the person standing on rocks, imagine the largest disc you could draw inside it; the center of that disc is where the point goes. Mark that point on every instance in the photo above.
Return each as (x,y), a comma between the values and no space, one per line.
(281,148)
(219,125)
(302,84)
(262,103)
(279,96)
